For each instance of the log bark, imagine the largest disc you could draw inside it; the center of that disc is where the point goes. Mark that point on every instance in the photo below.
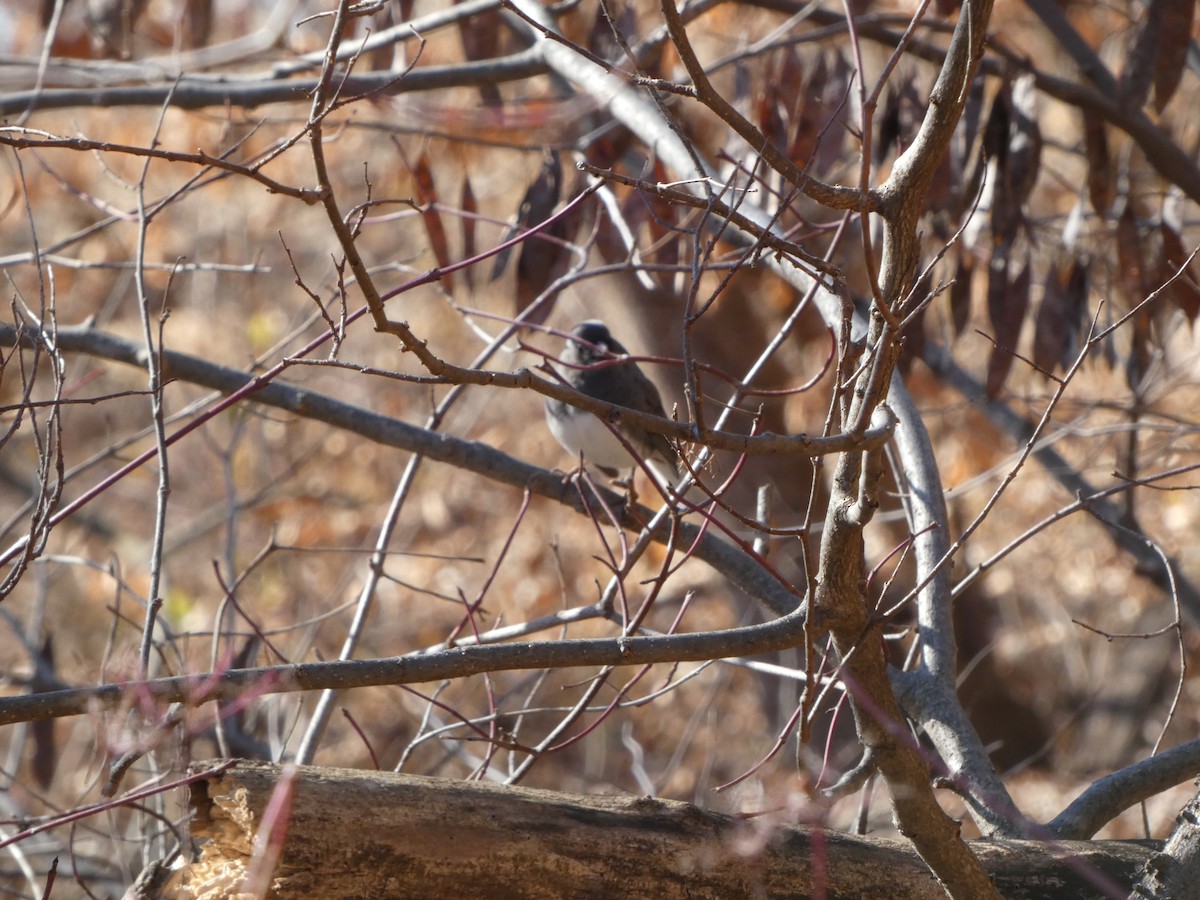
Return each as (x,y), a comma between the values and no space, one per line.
(1174,873)
(363,834)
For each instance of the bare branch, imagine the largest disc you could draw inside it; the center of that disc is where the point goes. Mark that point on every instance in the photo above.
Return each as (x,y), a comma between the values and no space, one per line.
(456,662)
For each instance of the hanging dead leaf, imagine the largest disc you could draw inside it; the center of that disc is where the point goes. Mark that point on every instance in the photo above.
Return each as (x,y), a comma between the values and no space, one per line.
(197,23)
(469,208)
(940,200)
(1007,304)
(903,111)
(381,59)
(1100,179)
(660,220)
(1141,349)
(888,127)
(769,114)
(914,331)
(997,287)
(791,73)
(960,293)
(965,156)
(808,132)
(1006,205)
(1141,63)
(1133,254)
(480,36)
(539,201)
(601,39)
(780,104)
(1025,139)
(45,749)
(543,256)
(1050,328)
(1174,41)
(1108,345)
(1060,317)
(1019,152)
(112,25)
(1184,291)
(434,227)
(1130,257)
(995,131)
(633,212)
(1076,303)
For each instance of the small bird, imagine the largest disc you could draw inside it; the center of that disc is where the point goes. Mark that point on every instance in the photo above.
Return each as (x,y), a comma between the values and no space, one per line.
(590,346)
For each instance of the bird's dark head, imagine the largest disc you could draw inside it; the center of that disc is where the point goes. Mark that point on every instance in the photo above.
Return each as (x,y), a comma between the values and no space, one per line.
(596,333)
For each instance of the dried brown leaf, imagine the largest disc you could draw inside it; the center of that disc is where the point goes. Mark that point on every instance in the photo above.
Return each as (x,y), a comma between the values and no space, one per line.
(914,331)
(769,115)
(1137,259)
(601,39)
(960,293)
(995,131)
(113,23)
(543,254)
(539,201)
(1142,61)
(434,227)
(1130,256)
(1007,304)
(480,36)
(45,749)
(381,58)
(1060,316)
(1076,301)
(634,211)
(1141,349)
(997,287)
(888,127)
(1174,41)
(661,220)
(1101,182)
(1184,290)
(1050,331)
(966,160)
(1011,152)
(807,134)
(197,23)
(906,108)
(791,71)
(470,208)
(1025,139)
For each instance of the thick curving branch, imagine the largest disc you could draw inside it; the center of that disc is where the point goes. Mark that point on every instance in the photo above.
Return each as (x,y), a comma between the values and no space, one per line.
(1107,798)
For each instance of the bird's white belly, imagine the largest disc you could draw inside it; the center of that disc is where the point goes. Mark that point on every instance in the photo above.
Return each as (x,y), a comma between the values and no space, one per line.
(582,432)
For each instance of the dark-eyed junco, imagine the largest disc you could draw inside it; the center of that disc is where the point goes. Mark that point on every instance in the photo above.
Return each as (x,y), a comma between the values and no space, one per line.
(589,356)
